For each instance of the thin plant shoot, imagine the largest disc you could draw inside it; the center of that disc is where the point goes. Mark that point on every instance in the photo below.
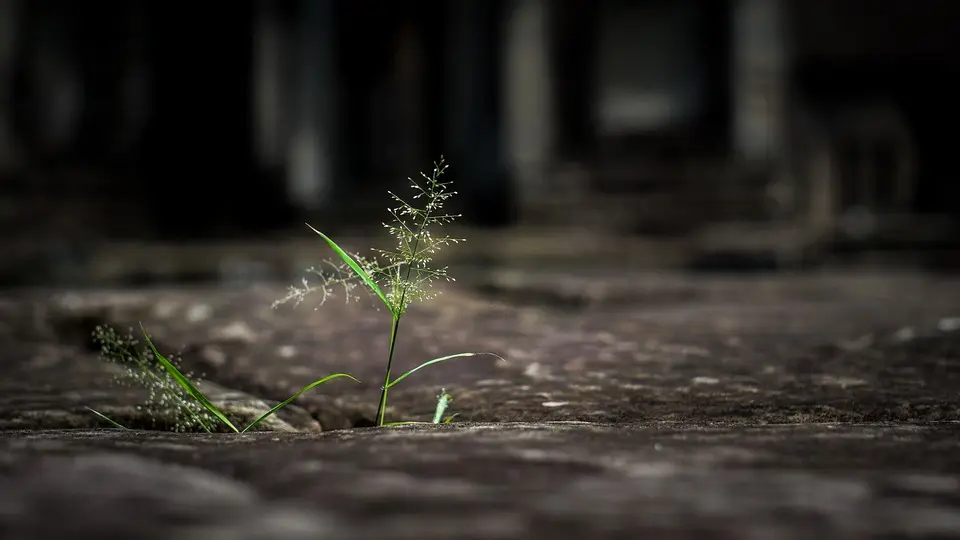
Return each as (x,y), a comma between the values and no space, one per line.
(402,275)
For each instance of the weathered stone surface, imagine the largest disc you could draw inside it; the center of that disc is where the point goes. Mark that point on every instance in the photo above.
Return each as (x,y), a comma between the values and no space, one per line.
(600,348)
(487,481)
(807,406)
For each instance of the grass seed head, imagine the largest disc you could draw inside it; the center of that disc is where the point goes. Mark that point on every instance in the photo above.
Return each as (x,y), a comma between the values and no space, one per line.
(139,368)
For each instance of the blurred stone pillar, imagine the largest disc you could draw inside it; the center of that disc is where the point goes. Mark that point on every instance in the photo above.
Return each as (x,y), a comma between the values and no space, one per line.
(527,94)
(310,154)
(408,103)
(56,88)
(268,84)
(136,99)
(760,88)
(759,72)
(473,121)
(9,26)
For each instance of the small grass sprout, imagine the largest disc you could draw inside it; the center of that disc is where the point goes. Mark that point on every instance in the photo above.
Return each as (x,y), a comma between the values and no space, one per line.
(170,388)
(402,275)
(443,401)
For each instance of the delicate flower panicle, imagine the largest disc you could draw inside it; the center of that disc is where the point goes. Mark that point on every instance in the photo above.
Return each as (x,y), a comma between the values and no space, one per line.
(404,273)
(140,368)
(329,277)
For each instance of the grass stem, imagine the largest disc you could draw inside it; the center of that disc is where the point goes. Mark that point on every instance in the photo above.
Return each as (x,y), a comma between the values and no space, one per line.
(382,406)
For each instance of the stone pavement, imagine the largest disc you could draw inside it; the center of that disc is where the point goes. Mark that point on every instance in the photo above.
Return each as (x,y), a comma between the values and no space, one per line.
(630,405)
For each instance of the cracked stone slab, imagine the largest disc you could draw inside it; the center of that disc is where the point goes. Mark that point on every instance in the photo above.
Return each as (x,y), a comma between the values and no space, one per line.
(487,481)
(780,349)
(808,406)
(785,349)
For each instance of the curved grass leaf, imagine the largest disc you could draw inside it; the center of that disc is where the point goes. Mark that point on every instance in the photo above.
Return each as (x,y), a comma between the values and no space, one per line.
(295,396)
(187,385)
(356,268)
(107,419)
(437,361)
(407,423)
(447,420)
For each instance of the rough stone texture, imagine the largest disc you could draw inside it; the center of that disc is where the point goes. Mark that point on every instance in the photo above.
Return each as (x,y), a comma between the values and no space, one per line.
(804,406)
(487,481)
(604,349)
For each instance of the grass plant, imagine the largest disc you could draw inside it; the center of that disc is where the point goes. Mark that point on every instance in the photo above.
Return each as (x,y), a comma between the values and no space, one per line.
(396,277)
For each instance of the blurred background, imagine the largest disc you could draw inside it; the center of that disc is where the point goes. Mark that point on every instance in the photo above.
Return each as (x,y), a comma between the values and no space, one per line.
(144,140)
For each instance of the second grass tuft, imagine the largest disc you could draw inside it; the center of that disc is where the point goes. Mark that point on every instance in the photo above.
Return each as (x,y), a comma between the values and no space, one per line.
(169,389)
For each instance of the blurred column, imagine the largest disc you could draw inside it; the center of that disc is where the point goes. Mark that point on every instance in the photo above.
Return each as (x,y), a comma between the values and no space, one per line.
(465,55)
(759,73)
(56,87)
(473,122)
(136,98)
(396,104)
(528,95)
(269,113)
(310,153)
(9,24)
(408,105)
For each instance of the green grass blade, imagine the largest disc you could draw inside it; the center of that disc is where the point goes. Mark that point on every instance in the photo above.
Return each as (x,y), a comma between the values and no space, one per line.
(450,418)
(187,385)
(437,361)
(107,419)
(356,268)
(306,388)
